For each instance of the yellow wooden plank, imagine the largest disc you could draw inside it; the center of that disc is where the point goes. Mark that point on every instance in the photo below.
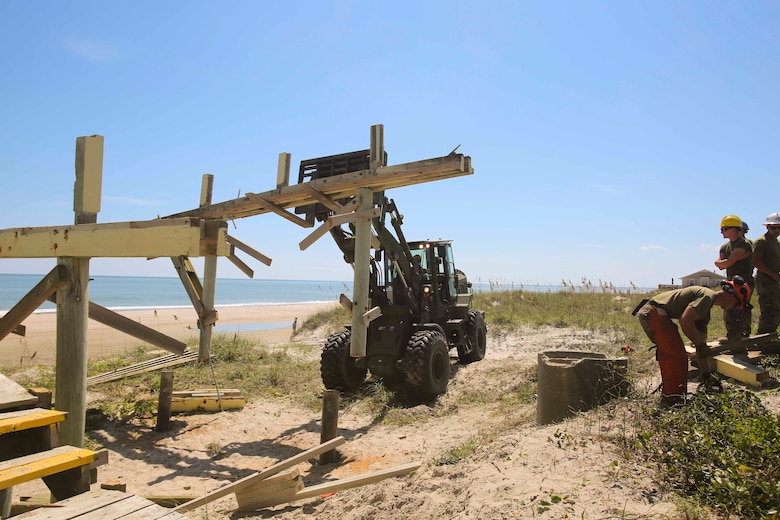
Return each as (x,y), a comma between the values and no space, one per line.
(206,404)
(28,419)
(30,467)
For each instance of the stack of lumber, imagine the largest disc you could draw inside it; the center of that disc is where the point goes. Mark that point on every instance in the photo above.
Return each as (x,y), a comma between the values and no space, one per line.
(732,359)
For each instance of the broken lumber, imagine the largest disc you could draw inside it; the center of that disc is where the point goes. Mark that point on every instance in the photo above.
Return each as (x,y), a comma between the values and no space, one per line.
(273,470)
(268,500)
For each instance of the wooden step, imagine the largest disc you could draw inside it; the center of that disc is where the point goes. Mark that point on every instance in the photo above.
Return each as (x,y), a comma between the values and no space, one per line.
(29,419)
(38,465)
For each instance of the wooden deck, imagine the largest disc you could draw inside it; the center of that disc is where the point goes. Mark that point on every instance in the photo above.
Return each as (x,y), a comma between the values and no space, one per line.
(103,504)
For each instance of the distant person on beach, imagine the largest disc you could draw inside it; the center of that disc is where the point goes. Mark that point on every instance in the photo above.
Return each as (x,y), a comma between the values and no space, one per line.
(691,306)
(766,258)
(736,257)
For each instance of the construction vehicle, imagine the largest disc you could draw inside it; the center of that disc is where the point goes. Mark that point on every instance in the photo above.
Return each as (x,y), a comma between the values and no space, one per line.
(425,301)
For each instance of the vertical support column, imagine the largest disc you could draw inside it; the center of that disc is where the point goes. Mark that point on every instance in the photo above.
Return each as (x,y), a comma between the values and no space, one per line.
(164,401)
(209,277)
(70,386)
(330,423)
(360,304)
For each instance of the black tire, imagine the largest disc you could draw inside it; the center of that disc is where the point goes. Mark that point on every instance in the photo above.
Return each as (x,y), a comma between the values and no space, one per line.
(476,335)
(338,370)
(427,364)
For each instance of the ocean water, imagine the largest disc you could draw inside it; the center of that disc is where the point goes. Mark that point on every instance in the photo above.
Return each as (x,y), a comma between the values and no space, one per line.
(146,292)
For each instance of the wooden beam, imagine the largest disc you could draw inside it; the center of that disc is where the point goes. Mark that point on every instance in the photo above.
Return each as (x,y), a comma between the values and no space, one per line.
(254,253)
(32,300)
(279,210)
(371,315)
(322,198)
(360,300)
(338,187)
(273,470)
(142,239)
(190,281)
(239,263)
(135,329)
(344,218)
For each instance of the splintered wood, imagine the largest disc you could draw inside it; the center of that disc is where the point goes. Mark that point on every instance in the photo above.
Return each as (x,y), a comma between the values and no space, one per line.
(273,486)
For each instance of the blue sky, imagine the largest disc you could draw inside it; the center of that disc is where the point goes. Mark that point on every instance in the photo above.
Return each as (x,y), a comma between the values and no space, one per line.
(608,138)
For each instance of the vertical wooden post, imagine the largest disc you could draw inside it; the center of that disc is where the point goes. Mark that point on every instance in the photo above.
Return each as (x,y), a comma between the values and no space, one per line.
(330,423)
(209,277)
(89,178)
(283,170)
(357,343)
(70,387)
(365,197)
(164,401)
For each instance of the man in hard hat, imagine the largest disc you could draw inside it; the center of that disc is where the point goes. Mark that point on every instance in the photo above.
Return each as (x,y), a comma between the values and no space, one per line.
(691,306)
(736,257)
(766,258)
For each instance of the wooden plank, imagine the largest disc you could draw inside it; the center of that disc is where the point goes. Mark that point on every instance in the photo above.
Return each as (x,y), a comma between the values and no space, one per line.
(13,395)
(735,367)
(257,255)
(278,493)
(205,404)
(55,279)
(89,178)
(140,239)
(279,210)
(243,267)
(28,419)
(133,328)
(209,392)
(338,187)
(23,469)
(338,485)
(144,366)
(103,505)
(273,470)
(259,484)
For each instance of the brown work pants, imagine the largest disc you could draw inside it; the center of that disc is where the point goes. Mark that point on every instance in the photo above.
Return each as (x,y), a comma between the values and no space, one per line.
(671,354)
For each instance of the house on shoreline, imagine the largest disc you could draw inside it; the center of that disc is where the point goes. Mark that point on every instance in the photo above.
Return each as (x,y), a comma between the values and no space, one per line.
(703,278)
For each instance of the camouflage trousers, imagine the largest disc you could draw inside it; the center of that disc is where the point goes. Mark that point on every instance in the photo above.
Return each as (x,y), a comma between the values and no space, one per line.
(738,322)
(769,301)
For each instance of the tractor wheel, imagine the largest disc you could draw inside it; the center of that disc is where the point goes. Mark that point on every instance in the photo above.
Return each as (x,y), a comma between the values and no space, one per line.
(337,368)
(476,331)
(427,363)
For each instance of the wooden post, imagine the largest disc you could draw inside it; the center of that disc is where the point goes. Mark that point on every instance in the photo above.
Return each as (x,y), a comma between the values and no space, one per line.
(283,170)
(70,388)
(209,277)
(164,401)
(357,344)
(330,423)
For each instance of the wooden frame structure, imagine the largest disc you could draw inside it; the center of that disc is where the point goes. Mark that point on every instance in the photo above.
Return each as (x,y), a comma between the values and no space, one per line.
(201,232)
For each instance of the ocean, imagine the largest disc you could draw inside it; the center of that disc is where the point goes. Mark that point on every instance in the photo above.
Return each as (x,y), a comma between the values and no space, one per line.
(148,292)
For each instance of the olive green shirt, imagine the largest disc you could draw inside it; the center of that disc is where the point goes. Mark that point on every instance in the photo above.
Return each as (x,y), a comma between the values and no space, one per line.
(768,249)
(744,267)
(675,302)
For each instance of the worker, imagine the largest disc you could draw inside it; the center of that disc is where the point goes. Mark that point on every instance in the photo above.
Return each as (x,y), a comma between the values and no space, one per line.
(736,257)
(691,306)
(766,257)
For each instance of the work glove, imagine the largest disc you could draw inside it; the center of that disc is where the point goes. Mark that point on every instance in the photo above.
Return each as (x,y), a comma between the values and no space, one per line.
(710,384)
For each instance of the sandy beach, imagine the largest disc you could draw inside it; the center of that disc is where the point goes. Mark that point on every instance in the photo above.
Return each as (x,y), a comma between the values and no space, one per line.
(270,324)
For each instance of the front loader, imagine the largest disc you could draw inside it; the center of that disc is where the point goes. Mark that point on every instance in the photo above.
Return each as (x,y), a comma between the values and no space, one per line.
(425,304)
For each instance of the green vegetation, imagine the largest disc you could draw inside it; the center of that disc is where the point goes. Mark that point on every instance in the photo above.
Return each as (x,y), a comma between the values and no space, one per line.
(722,450)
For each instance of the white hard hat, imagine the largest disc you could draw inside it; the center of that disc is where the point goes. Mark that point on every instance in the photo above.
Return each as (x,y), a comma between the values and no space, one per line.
(773,218)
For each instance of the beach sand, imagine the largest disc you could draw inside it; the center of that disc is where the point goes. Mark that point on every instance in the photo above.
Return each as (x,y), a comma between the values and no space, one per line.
(270,324)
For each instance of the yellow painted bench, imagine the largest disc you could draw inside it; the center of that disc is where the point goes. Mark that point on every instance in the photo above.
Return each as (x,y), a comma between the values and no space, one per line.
(65,470)
(27,419)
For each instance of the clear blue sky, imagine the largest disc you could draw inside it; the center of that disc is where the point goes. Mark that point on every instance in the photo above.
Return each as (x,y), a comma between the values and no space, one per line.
(608,138)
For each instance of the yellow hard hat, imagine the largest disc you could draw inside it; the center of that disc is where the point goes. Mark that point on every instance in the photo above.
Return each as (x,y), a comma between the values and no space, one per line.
(731,221)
